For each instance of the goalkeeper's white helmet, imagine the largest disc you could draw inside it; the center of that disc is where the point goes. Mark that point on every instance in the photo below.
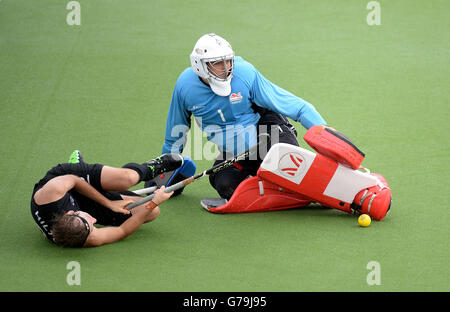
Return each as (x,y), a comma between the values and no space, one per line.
(213,60)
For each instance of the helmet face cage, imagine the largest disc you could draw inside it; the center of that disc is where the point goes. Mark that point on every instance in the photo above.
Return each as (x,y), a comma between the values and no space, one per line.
(220,68)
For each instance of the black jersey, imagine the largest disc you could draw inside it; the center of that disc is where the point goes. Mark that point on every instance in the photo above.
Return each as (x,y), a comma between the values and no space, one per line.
(44,215)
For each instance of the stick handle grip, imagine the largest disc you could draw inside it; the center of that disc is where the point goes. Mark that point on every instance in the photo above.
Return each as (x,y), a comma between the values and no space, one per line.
(168,189)
(147,190)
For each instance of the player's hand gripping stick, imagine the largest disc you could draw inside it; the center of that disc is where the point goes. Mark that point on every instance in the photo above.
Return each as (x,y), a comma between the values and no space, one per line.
(263,142)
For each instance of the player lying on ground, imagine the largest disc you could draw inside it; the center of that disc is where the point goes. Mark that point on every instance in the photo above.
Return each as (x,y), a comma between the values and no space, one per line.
(231,101)
(72,197)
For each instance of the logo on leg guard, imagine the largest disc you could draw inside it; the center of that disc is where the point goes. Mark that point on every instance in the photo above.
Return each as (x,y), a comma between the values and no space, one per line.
(290,165)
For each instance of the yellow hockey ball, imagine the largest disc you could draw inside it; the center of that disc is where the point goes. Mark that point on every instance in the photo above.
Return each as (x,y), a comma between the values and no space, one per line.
(364,220)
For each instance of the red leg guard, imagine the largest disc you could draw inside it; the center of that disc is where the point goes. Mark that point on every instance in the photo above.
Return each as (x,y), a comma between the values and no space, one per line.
(256,195)
(325,181)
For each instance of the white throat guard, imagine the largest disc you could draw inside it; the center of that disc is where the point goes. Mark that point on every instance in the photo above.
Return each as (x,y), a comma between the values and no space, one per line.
(206,58)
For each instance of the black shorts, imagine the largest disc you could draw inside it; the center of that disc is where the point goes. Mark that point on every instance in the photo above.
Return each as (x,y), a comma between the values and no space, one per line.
(91,173)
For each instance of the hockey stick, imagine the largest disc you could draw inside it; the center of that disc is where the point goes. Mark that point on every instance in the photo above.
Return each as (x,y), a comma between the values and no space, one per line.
(147,190)
(263,141)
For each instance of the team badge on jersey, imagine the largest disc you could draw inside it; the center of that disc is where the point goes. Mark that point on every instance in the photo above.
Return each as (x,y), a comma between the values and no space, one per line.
(235,98)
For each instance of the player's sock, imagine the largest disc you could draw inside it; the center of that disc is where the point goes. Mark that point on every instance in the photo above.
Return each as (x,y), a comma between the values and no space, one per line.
(144,172)
(155,167)
(75,157)
(165,163)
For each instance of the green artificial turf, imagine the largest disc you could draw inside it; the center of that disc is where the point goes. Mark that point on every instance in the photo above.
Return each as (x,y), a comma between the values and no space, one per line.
(104,87)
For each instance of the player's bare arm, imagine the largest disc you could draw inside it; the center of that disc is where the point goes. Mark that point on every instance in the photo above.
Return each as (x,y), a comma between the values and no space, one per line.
(55,189)
(141,215)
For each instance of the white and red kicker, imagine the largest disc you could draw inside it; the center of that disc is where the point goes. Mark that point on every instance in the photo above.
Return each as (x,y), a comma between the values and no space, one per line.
(315,176)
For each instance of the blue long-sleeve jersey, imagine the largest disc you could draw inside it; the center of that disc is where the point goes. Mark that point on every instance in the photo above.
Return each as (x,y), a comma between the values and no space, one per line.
(229,121)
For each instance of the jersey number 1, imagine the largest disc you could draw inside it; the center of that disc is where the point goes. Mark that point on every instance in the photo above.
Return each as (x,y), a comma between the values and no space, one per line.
(221,115)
